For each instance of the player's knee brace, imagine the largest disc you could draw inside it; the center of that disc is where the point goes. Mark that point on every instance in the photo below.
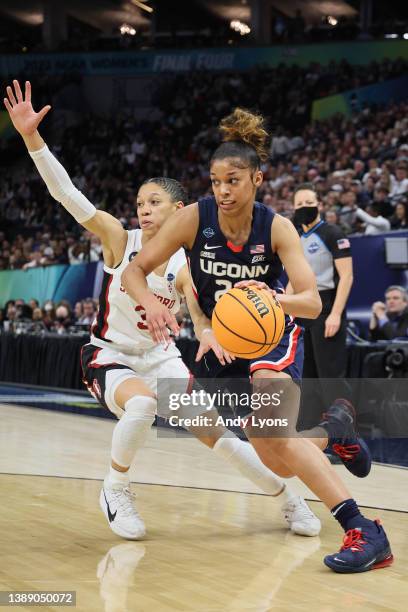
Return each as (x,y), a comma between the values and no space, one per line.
(131,432)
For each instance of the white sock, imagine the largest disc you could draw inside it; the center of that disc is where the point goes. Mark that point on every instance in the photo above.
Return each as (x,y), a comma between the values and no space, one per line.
(130,434)
(243,456)
(116,479)
(287,493)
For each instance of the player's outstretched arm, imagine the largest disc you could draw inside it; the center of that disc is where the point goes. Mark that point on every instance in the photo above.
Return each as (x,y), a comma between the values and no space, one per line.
(305,300)
(59,184)
(178,231)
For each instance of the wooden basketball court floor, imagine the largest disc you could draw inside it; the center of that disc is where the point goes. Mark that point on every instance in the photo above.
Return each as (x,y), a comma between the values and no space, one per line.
(214,542)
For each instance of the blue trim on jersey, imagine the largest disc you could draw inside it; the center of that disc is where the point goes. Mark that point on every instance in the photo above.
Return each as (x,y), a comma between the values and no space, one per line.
(306,234)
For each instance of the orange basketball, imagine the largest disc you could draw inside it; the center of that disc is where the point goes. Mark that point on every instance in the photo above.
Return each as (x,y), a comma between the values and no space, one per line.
(248,322)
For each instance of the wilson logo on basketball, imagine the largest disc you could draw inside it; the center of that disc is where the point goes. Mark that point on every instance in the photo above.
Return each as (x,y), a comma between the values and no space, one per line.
(248,322)
(260,306)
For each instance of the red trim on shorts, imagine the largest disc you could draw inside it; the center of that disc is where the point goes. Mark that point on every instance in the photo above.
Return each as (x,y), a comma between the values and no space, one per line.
(269,365)
(88,388)
(105,365)
(80,360)
(92,363)
(107,308)
(93,358)
(235,248)
(82,368)
(94,325)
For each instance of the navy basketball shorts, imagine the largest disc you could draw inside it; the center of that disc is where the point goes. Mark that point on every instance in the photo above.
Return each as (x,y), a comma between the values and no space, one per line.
(287,357)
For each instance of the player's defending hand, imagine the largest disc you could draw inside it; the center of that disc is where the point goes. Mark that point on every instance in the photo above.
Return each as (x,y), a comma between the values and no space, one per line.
(159,320)
(208,342)
(256,284)
(20,109)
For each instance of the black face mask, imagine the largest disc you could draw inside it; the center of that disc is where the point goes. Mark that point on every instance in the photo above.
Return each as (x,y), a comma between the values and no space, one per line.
(305,215)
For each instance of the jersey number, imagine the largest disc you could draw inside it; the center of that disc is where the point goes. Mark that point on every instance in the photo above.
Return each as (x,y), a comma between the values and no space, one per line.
(223,283)
(142,312)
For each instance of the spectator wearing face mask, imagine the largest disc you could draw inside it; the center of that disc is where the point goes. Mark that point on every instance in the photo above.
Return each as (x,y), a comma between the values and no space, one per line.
(49,314)
(63,318)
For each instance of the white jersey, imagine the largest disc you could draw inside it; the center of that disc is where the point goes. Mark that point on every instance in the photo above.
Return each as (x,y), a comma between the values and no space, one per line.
(120,321)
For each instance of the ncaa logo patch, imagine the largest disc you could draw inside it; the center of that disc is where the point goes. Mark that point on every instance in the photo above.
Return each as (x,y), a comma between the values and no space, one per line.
(313,248)
(170,281)
(208,232)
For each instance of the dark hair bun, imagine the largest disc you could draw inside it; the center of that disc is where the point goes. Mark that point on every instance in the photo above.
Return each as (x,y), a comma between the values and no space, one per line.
(243,125)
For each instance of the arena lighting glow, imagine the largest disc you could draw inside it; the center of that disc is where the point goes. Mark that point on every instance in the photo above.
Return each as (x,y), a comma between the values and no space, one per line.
(405,37)
(240,27)
(332,20)
(127,29)
(142,5)
(391,36)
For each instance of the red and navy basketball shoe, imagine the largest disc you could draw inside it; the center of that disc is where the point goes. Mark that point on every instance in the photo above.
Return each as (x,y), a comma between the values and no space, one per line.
(339,422)
(363,549)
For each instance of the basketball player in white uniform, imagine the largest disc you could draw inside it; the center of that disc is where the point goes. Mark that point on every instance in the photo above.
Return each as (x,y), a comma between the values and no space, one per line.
(122,364)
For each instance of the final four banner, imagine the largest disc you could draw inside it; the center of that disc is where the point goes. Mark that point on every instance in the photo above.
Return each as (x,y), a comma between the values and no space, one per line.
(147,62)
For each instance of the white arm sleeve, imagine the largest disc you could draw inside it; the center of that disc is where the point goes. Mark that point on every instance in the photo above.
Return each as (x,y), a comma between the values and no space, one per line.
(61,187)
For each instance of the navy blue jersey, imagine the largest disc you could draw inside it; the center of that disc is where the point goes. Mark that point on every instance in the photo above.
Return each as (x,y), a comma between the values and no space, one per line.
(216,264)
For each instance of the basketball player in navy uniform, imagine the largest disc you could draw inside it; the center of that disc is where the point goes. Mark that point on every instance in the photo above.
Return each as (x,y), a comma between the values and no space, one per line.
(236,229)
(122,363)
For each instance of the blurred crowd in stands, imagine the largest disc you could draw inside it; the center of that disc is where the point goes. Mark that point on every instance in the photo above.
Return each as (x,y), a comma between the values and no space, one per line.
(18,316)
(359,164)
(54,317)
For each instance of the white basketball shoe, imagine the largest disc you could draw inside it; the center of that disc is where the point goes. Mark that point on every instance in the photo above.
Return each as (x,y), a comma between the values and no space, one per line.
(300,518)
(118,505)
